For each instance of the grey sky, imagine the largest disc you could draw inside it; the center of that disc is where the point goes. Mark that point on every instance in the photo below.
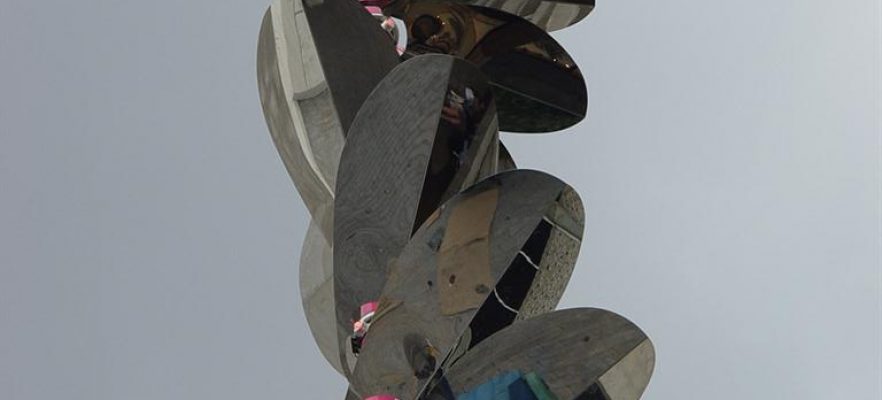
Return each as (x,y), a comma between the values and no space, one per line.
(149,234)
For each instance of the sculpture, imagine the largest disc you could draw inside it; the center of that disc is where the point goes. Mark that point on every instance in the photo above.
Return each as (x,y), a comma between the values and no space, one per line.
(433,266)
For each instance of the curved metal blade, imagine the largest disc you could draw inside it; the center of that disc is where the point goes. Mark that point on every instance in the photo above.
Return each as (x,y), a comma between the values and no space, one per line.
(355,52)
(447,273)
(536,279)
(582,353)
(424,134)
(317,295)
(309,95)
(537,84)
(317,285)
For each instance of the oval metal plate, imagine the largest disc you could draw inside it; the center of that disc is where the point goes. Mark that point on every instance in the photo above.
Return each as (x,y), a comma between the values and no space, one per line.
(446,274)
(538,86)
(582,353)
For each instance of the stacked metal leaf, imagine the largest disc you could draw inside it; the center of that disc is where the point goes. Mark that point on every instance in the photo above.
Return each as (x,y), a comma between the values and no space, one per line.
(433,266)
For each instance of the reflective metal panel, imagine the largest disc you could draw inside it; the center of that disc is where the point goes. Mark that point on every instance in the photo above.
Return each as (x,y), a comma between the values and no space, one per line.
(421,137)
(582,353)
(355,52)
(317,294)
(308,100)
(288,124)
(549,15)
(445,274)
(538,86)
(418,278)
(317,283)
(536,279)
(303,109)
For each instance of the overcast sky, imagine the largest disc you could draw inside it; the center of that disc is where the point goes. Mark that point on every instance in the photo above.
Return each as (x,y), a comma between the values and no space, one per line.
(730,168)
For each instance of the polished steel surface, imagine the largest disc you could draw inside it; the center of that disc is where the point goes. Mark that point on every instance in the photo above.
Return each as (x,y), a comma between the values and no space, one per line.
(317,284)
(575,351)
(445,274)
(317,294)
(308,103)
(354,50)
(433,265)
(550,15)
(421,137)
(285,102)
(312,82)
(539,88)
(535,281)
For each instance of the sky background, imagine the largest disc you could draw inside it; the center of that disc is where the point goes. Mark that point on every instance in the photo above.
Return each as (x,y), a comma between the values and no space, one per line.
(730,168)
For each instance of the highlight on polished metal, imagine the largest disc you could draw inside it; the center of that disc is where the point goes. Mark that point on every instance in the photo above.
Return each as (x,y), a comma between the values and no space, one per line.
(537,84)
(433,266)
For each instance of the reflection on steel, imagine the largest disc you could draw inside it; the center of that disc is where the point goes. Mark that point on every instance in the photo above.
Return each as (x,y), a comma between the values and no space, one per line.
(433,265)
(537,84)
(422,135)
(314,73)
(317,292)
(613,357)
(467,258)
(549,15)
